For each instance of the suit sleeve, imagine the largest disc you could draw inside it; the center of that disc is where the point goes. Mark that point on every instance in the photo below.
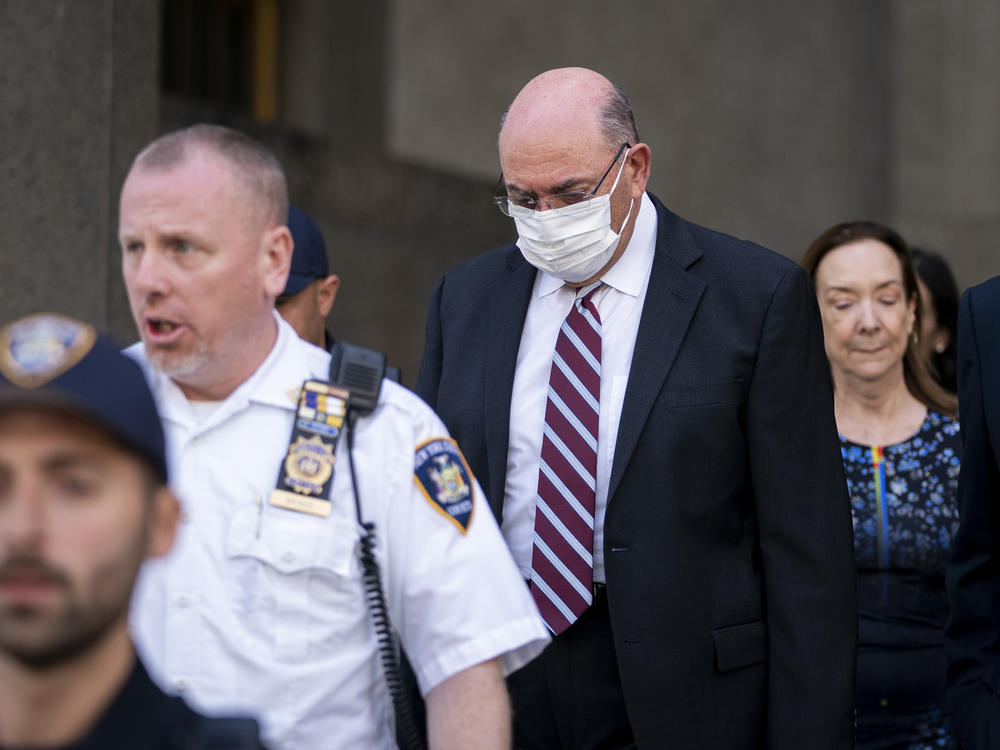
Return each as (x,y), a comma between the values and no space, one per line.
(806,540)
(972,638)
(429,375)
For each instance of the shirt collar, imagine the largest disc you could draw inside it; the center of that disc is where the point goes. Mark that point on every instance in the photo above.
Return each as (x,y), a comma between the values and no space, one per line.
(631,270)
(274,383)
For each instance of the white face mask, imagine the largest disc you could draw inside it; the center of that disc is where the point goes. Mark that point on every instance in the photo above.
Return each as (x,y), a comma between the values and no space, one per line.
(573,242)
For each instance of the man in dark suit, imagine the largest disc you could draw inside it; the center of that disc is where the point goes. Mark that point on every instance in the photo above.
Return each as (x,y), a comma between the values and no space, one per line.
(972,639)
(691,548)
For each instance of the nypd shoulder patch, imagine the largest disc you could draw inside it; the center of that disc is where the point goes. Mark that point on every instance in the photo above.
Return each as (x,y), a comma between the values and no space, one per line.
(440,471)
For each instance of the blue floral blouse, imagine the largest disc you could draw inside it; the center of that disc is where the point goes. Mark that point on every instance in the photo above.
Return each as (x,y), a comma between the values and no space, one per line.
(904,508)
(907,519)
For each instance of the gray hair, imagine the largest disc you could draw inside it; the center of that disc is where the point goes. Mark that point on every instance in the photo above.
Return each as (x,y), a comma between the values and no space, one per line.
(617,119)
(254,166)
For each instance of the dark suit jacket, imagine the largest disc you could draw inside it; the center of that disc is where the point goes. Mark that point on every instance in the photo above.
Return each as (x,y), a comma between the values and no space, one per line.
(728,549)
(972,638)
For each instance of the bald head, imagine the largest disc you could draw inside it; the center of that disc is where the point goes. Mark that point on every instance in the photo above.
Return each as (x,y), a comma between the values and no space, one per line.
(563,134)
(577,102)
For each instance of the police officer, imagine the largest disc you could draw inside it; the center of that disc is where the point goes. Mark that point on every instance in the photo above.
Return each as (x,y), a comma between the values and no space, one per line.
(262,607)
(83,502)
(311,289)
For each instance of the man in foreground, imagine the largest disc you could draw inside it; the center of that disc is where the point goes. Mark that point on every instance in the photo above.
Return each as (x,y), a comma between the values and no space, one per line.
(83,502)
(262,607)
(647,404)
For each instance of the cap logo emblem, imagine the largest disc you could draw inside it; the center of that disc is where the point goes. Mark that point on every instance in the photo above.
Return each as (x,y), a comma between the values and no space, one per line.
(39,348)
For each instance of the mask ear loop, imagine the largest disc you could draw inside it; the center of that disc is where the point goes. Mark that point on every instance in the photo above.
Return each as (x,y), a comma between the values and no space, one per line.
(621,169)
(628,214)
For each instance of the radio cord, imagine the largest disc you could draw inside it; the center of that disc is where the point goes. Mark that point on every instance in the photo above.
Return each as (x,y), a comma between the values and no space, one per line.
(408,734)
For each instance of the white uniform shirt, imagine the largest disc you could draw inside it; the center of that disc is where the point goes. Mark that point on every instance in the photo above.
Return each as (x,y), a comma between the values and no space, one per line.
(261,610)
(619,302)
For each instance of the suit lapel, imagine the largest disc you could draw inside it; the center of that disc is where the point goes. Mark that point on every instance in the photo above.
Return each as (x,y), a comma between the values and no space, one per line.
(672,297)
(508,306)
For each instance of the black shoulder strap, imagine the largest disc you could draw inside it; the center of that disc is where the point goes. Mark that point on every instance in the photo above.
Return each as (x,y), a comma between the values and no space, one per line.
(227,734)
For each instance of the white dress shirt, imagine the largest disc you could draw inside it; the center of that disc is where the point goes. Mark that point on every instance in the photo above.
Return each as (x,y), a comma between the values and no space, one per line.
(261,610)
(619,302)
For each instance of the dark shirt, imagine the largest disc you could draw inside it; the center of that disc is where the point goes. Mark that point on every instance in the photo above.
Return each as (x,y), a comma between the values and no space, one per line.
(142,717)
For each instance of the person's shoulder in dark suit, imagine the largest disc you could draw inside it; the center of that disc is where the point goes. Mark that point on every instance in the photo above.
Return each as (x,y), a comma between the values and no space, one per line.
(741,266)
(972,638)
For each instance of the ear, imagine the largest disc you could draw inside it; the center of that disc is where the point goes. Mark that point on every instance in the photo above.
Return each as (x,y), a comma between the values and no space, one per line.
(276,258)
(637,166)
(326,293)
(166,512)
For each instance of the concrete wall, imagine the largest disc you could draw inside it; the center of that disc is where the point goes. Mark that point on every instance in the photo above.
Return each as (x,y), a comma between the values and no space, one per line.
(79,90)
(769,120)
(945,157)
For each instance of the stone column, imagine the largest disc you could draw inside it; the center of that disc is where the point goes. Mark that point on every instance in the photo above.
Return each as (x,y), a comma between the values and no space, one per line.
(78,83)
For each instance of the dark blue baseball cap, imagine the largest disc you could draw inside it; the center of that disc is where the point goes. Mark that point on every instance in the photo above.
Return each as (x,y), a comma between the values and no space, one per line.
(309,253)
(56,362)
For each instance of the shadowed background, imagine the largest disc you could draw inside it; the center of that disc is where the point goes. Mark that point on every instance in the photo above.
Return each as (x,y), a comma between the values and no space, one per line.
(768,120)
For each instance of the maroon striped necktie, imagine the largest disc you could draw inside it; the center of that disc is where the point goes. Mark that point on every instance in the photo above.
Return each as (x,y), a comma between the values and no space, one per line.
(562,556)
